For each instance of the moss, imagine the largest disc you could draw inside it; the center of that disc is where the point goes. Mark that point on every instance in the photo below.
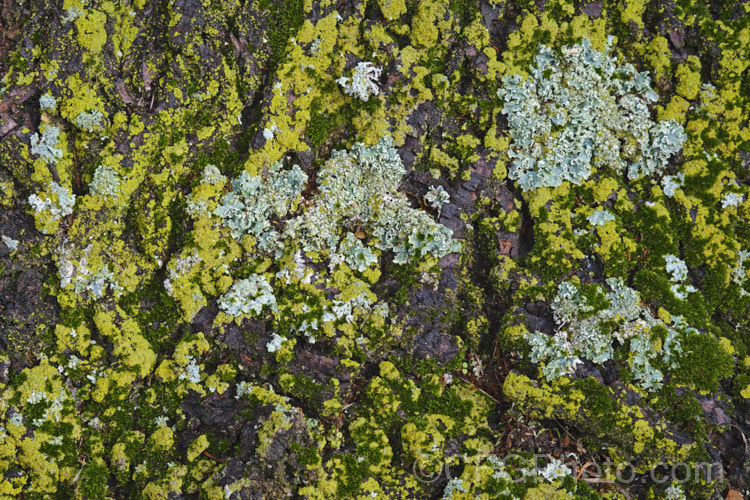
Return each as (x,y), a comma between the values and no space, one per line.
(657,53)
(286,17)
(605,418)
(705,363)
(632,14)
(554,251)
(372,444)
(688,76)
(90,28)
(683,408)
(92,482)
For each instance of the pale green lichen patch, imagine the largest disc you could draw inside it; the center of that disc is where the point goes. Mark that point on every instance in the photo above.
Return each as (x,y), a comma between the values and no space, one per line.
(105,182)
(358,192)
(46,145)
(51,206)
(248,296)
(590,321)
(254,201)
(579,111)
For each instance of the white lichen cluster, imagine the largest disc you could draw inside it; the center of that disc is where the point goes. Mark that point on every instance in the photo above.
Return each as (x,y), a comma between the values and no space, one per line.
(90,120)
(355,254)
(586,332)
(579,110)
(454,486)
(436,197)
(212,175)
(73,272)
(161,421)
(270,132)
(9,242)
(106,182)
(276,342)
(345,309)
(195,208)
(600,217)
(71,14)
(354,215)
(741,272)
(679,271)
(675,492)
(45,145)
(676,267)
(47,102)
(358,192)
(248,296)
(670,183)
(54,406)
(57,202)
(507,474)
(191,372)
(555,470)
(732,200)
(255,200)
(357,198)
(300,271)
(243,389)
(363,82)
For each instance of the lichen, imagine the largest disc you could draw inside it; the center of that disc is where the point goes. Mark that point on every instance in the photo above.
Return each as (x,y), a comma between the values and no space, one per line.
(248,296)
(580,111)
(57,202)
(364,81)
(45,146)
(358,192)
(253,202)
(105,182)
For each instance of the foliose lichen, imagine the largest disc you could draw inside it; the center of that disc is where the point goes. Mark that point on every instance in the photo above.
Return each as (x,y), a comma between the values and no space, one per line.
(358,192)
(52,205)
(364,81)
(45,146)
(106,182)
(248,296)
(437,197)
(588,331)
(90,120)
(578,111)
(47,102)
(255,200)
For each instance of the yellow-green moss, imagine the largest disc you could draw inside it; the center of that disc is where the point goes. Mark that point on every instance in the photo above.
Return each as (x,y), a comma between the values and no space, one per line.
(90,30)
(689,78)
